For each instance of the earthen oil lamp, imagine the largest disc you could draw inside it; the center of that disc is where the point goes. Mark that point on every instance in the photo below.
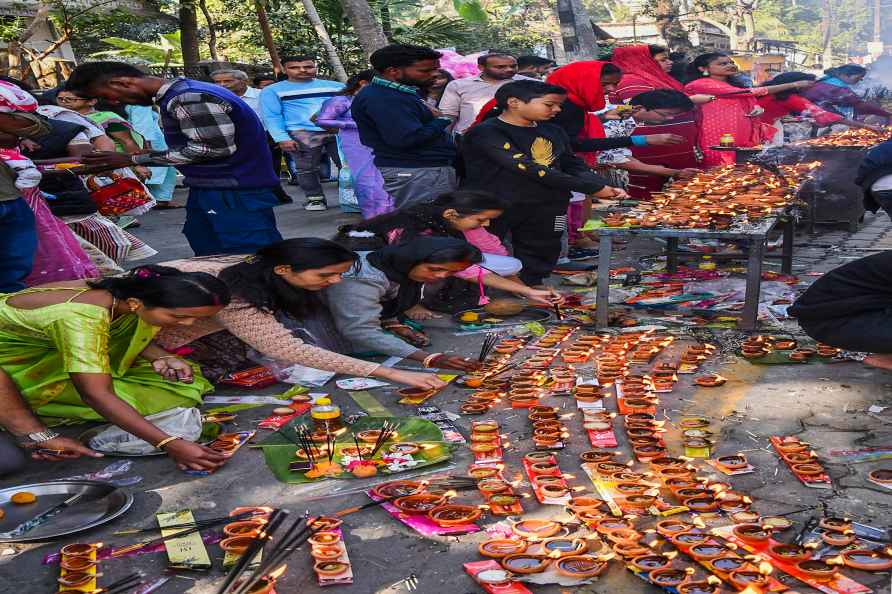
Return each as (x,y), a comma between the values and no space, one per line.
(482,472)
(78,549)
(668,577)
(502,547)
(580,566)
(817,569)
(536,528)
(838,539)
(882,476)
(629,550)
(726,564)
(688,539)
(867,560)
(454,515)
(751,533)
(648,563)
(790,553)
(835,524)
(698,587)
(608,525)
(77,564)
(523,563)
(671,527)
(418,504)
(564,547)
(331,569)
(701,504)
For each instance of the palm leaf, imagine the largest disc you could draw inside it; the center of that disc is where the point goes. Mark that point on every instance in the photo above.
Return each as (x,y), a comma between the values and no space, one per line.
(436,31)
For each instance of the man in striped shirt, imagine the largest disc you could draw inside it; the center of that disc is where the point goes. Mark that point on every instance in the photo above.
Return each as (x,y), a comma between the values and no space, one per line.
(287,109)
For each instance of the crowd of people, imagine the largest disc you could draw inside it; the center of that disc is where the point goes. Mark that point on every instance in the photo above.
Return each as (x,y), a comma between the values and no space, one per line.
(465,186)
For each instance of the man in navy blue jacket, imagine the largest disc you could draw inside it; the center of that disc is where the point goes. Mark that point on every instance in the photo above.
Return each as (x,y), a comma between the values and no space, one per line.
(413,149)
(875,178)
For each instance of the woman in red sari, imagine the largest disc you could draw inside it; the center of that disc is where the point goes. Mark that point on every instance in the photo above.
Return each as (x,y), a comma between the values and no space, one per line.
(735,111)
(646,68)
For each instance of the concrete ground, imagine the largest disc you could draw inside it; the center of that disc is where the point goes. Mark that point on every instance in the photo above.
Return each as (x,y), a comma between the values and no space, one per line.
(823,404)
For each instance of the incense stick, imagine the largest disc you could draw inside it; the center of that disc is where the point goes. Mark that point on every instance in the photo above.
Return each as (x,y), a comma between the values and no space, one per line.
(197,527)
(276,519)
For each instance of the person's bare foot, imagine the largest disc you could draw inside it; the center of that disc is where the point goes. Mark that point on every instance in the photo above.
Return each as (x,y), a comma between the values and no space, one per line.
(420,312)
(881,361)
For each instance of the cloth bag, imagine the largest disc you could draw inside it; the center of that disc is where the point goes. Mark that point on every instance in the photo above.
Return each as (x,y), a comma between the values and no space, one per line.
(179,421)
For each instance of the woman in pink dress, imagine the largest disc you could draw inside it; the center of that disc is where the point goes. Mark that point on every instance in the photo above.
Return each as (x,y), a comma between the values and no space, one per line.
(646,68)
(734,111)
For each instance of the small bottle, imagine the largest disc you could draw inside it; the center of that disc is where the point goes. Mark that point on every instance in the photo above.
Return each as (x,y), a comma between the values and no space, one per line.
(326,415)
(727,140)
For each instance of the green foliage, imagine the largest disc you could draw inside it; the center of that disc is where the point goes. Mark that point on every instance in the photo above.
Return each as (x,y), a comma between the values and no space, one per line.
(11,27)
(470,10)
(166,49)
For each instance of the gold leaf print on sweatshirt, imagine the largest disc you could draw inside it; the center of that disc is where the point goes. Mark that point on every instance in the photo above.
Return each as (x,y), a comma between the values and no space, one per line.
(542,152)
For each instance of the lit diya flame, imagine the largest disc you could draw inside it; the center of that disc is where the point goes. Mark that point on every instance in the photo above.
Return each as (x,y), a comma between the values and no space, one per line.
(670,555)
(765,568)
(698,522)
(277,573)
(713,580)
(751,589)
(837,560)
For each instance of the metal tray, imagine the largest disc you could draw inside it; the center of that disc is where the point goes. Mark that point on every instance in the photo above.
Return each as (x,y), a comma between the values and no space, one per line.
(529,314)
(101,503)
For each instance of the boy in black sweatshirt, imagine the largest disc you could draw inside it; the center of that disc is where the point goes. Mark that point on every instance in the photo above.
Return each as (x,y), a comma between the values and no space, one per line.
(518,154)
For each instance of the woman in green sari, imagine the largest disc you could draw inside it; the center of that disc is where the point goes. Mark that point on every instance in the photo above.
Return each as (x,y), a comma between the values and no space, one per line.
(83,351)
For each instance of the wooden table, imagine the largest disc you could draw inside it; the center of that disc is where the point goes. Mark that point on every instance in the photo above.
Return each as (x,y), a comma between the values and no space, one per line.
(755,238)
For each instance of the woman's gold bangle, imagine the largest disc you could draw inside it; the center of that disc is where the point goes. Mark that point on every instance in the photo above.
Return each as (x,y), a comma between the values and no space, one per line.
(166,441)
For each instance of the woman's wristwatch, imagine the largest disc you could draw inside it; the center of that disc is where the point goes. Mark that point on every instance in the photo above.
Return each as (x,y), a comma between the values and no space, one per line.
(30,439)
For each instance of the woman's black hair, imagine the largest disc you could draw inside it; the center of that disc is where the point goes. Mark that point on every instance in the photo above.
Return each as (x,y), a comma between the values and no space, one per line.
(352,84)
(788,77)
(255,281)
(846,70)
(526,91)
(695,68)
(422,217)
(663,99)
(655,50)
(610,69)
(162,286)
(459,253)
(447,74)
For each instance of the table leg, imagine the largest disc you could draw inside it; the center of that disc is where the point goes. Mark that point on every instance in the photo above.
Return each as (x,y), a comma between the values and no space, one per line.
(787,252)
(672,255)
(605,247)
(753,283)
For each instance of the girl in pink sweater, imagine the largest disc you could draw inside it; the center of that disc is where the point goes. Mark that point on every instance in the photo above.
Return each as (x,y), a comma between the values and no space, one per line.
(463,214)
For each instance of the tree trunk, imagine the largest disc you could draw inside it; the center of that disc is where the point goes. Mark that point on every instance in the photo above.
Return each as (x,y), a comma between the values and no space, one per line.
(827,14)
(263,22)
(670,27)
(368,29)
(386,21)
(333,59)
(587,46)
(557,40)
(212,29)
(189,34)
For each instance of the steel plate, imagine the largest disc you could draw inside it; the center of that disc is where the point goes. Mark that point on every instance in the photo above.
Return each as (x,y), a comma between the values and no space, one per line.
(101,503)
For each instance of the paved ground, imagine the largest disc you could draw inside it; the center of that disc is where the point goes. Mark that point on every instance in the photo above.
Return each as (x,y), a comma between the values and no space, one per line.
(825,404)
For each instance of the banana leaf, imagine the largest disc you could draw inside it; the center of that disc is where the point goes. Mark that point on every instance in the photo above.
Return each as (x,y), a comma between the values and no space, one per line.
(279,447)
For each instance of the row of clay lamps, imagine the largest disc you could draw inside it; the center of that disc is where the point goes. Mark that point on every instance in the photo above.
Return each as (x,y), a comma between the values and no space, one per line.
(548,430)
(694,355)
(800,457)
(554,337)
(496,491)
(525,386)
(497,361)
(583,347)
(648,347)
(643,431)
(757,347)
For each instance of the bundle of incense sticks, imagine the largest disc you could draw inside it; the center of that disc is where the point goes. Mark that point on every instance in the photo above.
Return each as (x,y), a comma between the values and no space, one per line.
(488,344)
(291,539)
(189,528)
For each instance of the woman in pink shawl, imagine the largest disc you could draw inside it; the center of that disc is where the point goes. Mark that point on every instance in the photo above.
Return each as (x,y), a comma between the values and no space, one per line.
(734,111)
(646,68)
